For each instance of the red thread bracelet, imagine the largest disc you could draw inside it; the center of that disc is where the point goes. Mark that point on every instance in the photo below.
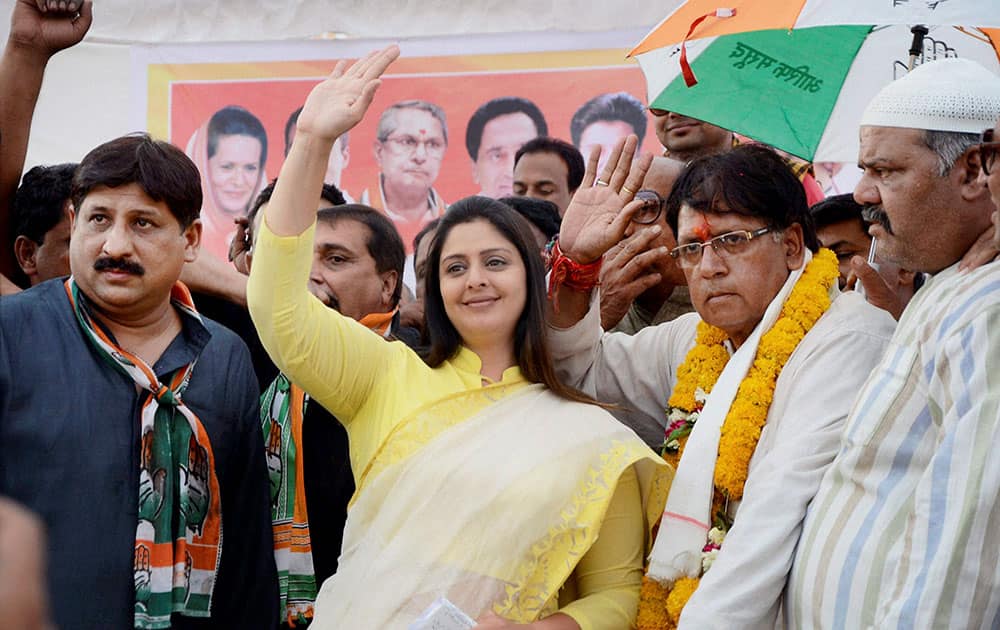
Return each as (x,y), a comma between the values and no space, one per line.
(571,274)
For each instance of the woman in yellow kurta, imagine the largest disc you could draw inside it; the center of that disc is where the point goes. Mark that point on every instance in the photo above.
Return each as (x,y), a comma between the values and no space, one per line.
(480,478)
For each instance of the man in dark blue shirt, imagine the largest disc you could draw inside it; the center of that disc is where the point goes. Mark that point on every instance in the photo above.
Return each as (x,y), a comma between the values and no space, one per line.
(129,423)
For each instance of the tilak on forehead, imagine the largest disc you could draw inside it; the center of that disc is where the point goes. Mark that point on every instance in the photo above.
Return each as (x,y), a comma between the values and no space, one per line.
(702,228)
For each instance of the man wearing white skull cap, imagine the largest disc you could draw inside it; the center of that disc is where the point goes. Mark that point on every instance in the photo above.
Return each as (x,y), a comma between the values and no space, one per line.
(905,529)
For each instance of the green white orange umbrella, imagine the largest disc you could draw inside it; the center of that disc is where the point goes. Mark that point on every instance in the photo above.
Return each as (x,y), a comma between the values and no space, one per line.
(797,74)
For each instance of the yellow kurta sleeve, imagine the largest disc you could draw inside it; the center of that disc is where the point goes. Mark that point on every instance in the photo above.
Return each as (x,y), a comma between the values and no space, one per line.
(333,358)
(609,575)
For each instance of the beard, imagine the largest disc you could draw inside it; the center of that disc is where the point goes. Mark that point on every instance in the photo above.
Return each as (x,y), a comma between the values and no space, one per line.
(876,214)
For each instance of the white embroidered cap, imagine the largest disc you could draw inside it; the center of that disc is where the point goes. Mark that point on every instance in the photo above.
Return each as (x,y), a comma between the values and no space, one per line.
(943,95)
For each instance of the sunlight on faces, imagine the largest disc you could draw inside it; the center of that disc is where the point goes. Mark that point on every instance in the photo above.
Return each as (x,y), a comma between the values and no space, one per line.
(932,227)
(483,283)
(604,134)
(732,291)
(418,167)
(543,175)
(234,173)
(501,139)
(123,224)
(344,275)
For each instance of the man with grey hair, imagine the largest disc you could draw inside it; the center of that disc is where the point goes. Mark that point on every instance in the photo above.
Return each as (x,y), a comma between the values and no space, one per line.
(410,142)
(905,529)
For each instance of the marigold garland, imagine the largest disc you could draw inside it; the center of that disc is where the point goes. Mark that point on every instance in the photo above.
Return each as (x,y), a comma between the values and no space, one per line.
(659,606)
(679,595)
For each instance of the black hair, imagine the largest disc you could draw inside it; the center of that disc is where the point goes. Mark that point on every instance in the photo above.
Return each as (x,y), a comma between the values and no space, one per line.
(162,171)
(233,120)
(613,106)
(568,153)
(293,119)
(837,209)
(495,108)
(530,347)
(330,193)
(751,180)
(39,202)
(384,243)
(542,213)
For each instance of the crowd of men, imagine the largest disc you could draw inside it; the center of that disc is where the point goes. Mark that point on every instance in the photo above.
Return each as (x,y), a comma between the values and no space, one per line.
(879,457)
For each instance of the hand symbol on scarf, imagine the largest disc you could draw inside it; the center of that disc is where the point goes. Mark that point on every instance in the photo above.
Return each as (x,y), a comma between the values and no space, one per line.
(194,502)
(151,482)
(273,456)
(143,575)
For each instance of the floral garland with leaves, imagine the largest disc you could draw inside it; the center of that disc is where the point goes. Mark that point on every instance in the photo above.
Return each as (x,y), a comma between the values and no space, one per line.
(660,606)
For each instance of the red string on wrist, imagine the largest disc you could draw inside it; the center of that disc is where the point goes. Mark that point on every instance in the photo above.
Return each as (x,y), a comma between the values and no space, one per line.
(570,274)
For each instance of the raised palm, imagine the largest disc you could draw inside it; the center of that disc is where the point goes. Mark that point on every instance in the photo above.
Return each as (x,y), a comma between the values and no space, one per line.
(601,209)
(341,100)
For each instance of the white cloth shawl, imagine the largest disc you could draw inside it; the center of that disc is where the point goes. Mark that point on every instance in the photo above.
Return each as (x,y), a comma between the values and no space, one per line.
(687,517)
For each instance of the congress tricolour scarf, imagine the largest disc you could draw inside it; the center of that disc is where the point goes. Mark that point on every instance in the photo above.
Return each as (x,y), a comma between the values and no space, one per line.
(178,538)
(282,408)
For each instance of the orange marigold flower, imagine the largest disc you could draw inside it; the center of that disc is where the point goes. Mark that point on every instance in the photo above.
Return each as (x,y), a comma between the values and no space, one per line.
(652,606)
(679,595)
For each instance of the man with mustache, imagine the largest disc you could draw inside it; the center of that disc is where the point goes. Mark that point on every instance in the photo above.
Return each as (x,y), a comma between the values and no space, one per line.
(749,450)
(903,531)
(842,225)
(150,458)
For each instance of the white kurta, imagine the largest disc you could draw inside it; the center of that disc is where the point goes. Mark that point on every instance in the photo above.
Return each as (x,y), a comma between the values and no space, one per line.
(905,528)
(812,397)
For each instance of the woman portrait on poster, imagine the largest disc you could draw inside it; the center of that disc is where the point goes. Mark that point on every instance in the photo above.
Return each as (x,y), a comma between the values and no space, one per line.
(480,477)
(230,150)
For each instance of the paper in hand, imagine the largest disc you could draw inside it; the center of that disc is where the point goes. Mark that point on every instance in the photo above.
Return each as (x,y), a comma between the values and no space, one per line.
(443,615)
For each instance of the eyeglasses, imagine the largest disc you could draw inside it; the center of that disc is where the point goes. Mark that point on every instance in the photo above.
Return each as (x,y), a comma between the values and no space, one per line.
(988,150)
(408,145)
(728,244)
(653,205)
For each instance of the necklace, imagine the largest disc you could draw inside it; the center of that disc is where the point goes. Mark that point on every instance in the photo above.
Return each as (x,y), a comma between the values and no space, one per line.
(660,606)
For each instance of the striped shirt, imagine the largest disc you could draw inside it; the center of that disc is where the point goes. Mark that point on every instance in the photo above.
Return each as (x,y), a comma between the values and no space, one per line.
(905,529)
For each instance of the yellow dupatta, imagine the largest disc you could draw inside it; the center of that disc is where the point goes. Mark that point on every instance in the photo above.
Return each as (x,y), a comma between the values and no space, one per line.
(489,497)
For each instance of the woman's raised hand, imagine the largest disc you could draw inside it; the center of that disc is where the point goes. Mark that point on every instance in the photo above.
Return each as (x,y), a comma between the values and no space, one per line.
(602,207)
(341,100)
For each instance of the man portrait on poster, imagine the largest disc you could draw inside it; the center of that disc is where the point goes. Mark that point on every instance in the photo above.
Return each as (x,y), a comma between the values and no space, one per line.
(497,129)
(410,142)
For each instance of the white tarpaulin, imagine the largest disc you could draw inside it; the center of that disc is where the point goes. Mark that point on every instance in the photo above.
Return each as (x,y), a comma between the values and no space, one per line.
(88,97)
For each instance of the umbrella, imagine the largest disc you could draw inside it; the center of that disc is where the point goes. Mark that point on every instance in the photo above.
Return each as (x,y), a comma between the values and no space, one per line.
(797,74)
